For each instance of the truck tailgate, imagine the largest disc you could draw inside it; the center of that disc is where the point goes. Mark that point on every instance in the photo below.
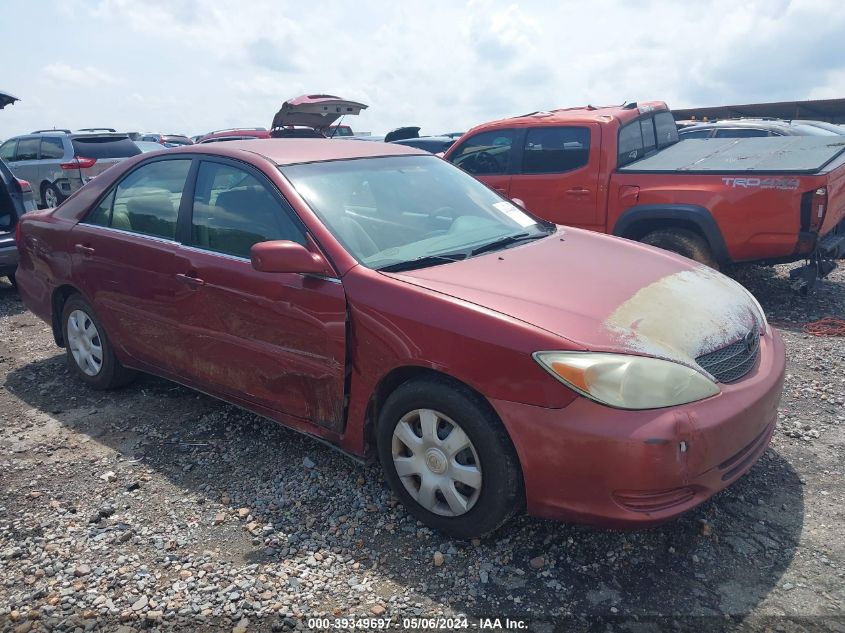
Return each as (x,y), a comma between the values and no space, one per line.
(772,155)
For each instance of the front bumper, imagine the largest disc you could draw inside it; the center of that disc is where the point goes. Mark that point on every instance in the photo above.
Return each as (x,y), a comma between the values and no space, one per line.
(593,464)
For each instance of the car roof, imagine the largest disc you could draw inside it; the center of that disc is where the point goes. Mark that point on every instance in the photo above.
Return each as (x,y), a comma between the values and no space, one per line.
(290,151)
(621,113)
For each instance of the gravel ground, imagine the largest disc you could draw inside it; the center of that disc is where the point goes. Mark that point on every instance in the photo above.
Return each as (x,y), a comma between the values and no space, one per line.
(155,507)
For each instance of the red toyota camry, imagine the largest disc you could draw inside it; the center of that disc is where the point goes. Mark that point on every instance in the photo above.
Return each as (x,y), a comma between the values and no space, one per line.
(378,297)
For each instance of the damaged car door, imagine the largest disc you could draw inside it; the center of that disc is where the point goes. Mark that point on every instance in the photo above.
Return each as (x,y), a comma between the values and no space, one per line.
(275,340)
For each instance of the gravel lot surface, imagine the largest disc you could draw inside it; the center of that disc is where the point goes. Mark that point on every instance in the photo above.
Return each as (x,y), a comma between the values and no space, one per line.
(155,507)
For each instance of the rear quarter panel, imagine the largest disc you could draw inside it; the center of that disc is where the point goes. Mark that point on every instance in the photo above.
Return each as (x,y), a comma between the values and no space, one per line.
(759,216)
(44,261)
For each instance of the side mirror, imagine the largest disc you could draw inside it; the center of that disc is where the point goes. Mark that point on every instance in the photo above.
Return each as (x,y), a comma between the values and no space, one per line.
(283,256)
(518,202)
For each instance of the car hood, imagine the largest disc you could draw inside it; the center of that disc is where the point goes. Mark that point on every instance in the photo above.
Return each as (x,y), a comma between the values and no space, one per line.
(317,111)
(604,294)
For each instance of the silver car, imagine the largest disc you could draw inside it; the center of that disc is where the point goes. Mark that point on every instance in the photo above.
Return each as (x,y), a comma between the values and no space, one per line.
(58,162)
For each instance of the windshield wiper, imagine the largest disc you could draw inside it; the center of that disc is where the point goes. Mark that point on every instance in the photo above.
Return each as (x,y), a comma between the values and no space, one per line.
(422,262)
(506,241)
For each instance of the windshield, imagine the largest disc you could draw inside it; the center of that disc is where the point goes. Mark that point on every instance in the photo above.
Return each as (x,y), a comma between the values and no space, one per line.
(397,209)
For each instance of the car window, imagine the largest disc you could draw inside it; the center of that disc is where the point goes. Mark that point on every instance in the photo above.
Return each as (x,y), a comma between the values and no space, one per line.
(7,150)
(52,147)
(104,147)
(740,132)
(27,149)
(102,213)
(232,210)
(649,140)
(630,143)
(486,153)
(696,134)
(644,135)
(389,210)
(146,201)
(550,150)
(665,128)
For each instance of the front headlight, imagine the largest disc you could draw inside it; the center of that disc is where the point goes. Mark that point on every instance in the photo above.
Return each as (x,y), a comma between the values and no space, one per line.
(627,382)
(765,321)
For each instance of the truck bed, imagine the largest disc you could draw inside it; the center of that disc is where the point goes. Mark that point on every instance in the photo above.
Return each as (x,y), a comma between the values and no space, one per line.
(769,155)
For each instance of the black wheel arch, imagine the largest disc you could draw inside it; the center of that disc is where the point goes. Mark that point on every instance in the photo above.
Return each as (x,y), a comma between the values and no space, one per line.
(638,221)
(394,379)
(60,295)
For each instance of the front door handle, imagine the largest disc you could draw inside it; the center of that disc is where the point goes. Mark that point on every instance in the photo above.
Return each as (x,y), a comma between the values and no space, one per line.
(191,280)
(85,250)
(501,190)
(578,191)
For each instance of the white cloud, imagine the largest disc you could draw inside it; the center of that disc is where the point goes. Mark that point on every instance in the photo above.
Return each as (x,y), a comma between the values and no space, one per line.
(85,76)
(194,65)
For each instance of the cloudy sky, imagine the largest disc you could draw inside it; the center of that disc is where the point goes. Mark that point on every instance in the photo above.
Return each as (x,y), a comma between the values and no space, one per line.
(189,66)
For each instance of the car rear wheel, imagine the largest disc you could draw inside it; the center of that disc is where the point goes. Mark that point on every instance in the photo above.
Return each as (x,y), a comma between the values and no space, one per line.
(684,242)
(50,196)
(448,458)
(89,352)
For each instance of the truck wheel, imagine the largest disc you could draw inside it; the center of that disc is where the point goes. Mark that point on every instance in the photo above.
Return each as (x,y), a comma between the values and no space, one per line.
(683,242)
(89,351)
(448,458)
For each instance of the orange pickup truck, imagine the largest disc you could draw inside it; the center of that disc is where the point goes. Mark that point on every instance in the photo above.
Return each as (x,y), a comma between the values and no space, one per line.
(622,170)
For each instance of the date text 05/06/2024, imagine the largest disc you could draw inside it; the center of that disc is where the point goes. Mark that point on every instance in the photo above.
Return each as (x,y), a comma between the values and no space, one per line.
(417,624)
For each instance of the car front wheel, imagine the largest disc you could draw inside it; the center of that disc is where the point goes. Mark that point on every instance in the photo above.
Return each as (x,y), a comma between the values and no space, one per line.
(89,352)
(448,458)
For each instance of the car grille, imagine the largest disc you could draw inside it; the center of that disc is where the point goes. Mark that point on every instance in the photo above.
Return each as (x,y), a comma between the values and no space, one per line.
(732,362)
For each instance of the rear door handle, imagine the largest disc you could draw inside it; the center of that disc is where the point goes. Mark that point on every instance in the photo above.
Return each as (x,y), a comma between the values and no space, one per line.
(578,191)
(501,190)
(85,250)
(190,279)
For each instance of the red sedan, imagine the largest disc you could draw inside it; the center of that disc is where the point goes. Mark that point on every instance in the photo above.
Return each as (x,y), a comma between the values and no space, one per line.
(378,297)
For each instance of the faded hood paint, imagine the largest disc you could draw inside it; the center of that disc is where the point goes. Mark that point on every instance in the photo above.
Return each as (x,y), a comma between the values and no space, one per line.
(604,294)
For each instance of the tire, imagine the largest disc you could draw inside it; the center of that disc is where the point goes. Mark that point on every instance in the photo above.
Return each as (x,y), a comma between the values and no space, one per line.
(93,362)
(683,242)
(12,280)
(488,462)
(50,192)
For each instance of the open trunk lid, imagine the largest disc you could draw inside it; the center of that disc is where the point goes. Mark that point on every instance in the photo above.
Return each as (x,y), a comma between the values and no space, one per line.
(315,111)
(6,99)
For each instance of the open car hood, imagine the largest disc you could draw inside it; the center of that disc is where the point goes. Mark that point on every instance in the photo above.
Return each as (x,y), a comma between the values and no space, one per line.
(6,99)
(316,111)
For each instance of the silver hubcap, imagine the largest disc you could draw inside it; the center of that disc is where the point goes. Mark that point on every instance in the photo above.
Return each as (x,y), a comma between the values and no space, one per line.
(436,462)
(50,198)
(84,342)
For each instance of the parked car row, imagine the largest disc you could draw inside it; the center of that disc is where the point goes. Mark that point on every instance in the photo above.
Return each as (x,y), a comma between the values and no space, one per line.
(752,128)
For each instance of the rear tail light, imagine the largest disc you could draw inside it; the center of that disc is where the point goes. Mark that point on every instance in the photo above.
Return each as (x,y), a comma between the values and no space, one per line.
(813,207)
(79,162)
(24,185)
(819,207)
